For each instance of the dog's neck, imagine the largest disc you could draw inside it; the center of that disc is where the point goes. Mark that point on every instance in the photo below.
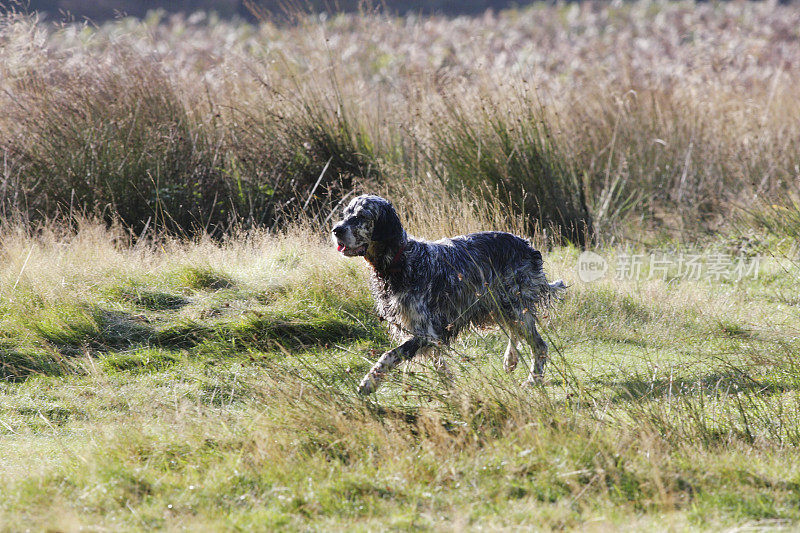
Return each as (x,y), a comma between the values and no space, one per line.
(386,257)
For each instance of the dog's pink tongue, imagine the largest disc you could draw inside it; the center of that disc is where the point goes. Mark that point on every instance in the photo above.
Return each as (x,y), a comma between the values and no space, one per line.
(340,248)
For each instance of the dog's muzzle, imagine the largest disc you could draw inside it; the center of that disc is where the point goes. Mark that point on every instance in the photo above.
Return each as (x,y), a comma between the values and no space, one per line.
(351,252)
(341,236)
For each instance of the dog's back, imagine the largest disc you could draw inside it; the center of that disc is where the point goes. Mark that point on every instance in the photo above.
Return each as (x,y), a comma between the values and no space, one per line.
(471,279)
(502,252)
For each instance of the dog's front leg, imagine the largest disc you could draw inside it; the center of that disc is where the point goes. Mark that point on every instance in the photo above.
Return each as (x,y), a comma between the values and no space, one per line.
(388,361)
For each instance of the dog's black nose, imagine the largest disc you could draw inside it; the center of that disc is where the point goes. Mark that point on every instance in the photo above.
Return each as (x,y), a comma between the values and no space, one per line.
(338,230)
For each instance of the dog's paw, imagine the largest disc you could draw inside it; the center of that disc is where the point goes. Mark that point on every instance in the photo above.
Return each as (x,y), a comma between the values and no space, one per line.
(446,376)
(367,386)
(510,357)
(509,364)
(533,381)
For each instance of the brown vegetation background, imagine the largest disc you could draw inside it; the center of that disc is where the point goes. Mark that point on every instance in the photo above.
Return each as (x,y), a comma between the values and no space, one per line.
(111,9)
(595,120)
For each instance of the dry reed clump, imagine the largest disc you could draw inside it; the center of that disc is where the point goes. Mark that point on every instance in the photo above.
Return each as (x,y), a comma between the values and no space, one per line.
(634,116)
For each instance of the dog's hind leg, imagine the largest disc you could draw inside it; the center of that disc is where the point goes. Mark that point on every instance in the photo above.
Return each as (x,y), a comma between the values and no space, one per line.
(441,367)
(387,362)
(511,356)
(435,357)
(538,349)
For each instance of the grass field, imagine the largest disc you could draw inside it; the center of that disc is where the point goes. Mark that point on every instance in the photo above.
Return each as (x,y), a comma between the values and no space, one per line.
(180,345)
(206,385)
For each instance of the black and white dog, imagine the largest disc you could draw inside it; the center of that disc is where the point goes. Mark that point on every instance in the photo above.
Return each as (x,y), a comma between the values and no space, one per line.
(430,291)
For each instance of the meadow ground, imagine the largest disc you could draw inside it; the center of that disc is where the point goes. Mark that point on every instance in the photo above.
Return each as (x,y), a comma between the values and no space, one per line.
(212,385)
(180,347)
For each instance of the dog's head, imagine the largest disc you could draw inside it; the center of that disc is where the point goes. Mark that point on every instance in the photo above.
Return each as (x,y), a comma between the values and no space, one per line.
(367,220)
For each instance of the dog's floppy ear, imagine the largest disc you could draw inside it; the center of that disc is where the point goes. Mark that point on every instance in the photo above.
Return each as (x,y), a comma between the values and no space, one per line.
(387,224)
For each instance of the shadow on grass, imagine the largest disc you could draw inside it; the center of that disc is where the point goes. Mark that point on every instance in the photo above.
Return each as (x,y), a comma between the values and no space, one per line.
(267,332)
(86,330)
(18,364)
(154,300)
(60,338)
(721,383)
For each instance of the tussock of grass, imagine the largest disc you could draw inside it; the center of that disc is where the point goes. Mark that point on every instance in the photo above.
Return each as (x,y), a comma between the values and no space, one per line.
(83,329)
(154,300)
(508,150)
(139,361)
(21,362)
(199,278)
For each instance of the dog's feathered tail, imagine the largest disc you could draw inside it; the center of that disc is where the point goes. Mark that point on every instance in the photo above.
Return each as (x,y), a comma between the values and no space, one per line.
(557,289)
(553,292)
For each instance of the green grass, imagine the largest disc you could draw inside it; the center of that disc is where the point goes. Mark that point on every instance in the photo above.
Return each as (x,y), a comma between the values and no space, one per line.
(150,394)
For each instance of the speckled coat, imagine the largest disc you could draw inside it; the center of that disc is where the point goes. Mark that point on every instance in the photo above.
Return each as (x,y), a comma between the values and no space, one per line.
(428,292)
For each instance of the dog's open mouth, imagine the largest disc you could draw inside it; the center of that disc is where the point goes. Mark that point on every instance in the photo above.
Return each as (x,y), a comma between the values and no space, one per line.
(350,252)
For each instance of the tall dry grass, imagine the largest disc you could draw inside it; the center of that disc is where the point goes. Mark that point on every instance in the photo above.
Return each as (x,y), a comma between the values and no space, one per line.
(600,120)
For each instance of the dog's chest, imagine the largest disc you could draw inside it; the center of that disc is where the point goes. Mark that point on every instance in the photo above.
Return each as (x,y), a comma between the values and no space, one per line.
(407,310)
